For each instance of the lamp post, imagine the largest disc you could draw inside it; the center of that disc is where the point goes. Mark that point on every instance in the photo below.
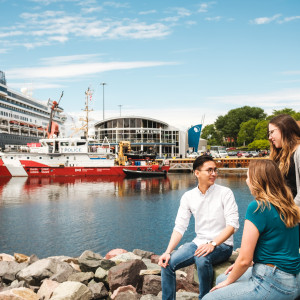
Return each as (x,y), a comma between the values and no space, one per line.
(103,84)
(120,105)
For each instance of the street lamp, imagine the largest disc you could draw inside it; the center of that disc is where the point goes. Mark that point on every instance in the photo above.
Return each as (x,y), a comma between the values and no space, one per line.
(103,84)
(120,105)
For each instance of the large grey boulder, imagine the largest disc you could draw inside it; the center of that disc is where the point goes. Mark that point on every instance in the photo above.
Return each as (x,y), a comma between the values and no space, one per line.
(44,268)
(9,269)
(101,275)
(187,296)
(125,257)
(90,262)
(152,269)
(151,285)
(98,290)
(127,273)
(143,253)
(150,297)
(83,277)
(71,290)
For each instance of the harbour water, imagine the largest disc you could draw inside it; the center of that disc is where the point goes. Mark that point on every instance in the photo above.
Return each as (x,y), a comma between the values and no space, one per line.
(65,216)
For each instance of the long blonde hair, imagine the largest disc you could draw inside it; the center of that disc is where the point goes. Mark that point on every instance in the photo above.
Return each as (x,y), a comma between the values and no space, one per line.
(290,138)
(268,187)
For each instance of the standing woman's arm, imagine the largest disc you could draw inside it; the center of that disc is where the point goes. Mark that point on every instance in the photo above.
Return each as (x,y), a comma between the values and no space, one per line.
(244,260)
(297,167)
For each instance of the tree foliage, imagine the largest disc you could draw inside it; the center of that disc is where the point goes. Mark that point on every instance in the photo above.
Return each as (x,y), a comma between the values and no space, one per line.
(259,145)
(212,136)
(261,130)
(229,125)
(288,111)
(246,133)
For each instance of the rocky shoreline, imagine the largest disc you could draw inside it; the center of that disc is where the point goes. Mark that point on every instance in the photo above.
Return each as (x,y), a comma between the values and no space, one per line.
(119,275)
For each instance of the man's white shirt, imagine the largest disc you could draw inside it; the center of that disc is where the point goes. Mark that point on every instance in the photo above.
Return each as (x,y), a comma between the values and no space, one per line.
(213,211)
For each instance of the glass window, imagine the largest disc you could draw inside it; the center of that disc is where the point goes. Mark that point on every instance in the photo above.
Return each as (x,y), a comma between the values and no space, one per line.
(138,123)
(132,123)
(120,123)
(126,123)
(145,123)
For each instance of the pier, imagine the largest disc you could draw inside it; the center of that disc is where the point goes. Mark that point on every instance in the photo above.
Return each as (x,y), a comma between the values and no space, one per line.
(228,165)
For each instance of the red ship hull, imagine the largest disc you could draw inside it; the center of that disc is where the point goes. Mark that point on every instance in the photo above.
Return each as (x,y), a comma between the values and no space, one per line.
(34,169)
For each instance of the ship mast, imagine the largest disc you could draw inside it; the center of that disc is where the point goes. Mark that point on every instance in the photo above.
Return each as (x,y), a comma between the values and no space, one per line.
(85,127)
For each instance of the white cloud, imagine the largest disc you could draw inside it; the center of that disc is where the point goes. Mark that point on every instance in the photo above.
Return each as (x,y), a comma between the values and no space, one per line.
(11,33)
(59,38)
(116,4)
(265,20)
(289,19)
(153,11)
(281,98)
(44,28)
(79,69)
(59,60)
(205,6)
(295,72)
(36,85)
(3,50)
(214,19)
(89,10)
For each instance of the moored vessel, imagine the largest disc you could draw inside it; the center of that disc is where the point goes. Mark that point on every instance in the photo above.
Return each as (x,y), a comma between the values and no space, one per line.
(69,157)
(23,119)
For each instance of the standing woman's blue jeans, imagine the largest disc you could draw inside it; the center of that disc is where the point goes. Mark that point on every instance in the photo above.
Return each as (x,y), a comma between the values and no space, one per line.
(259,282)
(185,256)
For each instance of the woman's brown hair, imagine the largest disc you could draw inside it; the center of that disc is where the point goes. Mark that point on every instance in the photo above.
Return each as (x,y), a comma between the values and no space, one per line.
(290,138)
(268,187)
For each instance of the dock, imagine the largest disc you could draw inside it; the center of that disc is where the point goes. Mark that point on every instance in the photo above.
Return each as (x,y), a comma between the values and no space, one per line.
(226,165)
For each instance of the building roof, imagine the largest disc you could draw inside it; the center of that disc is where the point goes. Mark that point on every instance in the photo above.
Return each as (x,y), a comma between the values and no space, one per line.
(130,117)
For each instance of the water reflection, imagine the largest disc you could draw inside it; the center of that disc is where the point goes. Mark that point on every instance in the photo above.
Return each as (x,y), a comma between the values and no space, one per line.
(67,215)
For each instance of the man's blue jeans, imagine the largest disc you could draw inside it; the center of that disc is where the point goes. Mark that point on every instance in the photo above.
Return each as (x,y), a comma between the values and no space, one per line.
(184,257)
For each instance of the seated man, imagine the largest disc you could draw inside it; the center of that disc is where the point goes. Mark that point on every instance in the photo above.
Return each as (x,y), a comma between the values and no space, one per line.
(216,219)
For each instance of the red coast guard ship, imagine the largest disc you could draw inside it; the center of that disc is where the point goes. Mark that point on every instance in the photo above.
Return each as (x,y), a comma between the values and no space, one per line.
(57,156)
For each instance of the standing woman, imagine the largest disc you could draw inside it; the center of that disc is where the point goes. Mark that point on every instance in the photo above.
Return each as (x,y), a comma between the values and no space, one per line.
(284,137)
(270,240)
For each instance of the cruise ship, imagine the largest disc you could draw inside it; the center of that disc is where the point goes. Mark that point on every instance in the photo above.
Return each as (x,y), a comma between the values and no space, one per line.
(23,119)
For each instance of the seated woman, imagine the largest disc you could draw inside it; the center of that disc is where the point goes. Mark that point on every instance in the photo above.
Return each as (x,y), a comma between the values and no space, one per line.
(270,241)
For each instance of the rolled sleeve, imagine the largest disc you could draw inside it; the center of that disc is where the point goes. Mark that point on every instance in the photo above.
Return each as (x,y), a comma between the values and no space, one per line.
(183,216)
(231,212)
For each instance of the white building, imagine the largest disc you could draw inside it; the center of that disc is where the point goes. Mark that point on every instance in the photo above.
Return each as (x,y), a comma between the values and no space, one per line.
(145,134)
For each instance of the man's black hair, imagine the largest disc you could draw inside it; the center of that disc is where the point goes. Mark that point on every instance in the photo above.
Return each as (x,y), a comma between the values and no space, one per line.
(200,160)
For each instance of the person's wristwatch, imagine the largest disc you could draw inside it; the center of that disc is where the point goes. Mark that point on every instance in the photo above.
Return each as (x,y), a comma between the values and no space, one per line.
(213,243)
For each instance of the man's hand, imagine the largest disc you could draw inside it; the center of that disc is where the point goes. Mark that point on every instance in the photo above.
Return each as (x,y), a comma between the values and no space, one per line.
(204,249)
(164,259)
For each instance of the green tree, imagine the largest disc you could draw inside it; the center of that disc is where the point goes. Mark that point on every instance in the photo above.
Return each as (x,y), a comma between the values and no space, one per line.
(259,145)
(288,111)
(229,125)
(212,136)
(296,116)
(246,133)
(261,130)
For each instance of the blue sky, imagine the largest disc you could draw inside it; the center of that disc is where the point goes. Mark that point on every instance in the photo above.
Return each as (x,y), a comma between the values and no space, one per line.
(176,61)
